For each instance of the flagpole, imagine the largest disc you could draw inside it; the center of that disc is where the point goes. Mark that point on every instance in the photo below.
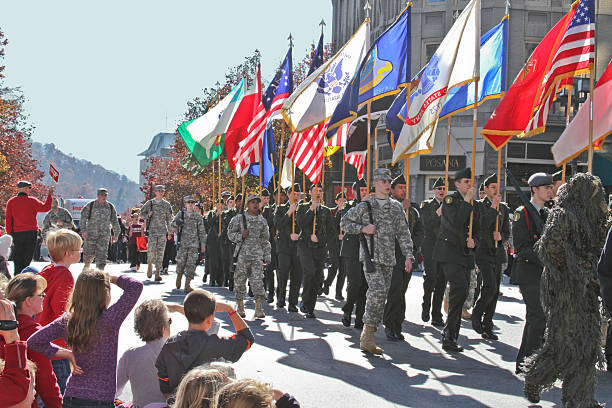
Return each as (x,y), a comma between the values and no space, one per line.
(323,178)
(235,184)
(342,189)
(498,190)
(407,177)
(243,197)
(376,147)
(368,161)
(280,168)
(261,174)
(448,136)
(219,192)
(474,129)
(292,194)
(591,81)
(213,184)
(567,122)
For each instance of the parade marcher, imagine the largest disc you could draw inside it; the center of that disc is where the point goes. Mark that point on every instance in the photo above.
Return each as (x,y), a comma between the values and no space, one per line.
(454,250)
(289,267)
(434,282)
(191,240)
(267,211)
(21,223)
(357,286)
(527,269)
(333,247)
(490,256)
(135,230)
(557,181)
(249,231)
(157,214)
(57,218)
(395,308)
(383,222)
(214,251)
(317,229)
(227,247)
(569,249)
(98,219)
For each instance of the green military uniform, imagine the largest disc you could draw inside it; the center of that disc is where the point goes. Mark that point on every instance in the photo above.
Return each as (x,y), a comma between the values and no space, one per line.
(158,214)
(57,218)
(97,219)
(191,238)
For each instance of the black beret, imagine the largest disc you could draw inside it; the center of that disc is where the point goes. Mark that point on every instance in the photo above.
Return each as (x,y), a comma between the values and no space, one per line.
(239,197)
(490,180)
(297,188)
(23,184)
(558,176)
(231,197)
(265,193)
(358,184)
(463,173)
(225,194)
(314,185)
(339,196)
(398,180)
(439,183)
(481,188)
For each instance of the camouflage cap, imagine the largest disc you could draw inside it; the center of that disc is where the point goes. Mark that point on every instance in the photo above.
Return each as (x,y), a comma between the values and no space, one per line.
(160,187)
(253,197)
(382,174)
(189,199)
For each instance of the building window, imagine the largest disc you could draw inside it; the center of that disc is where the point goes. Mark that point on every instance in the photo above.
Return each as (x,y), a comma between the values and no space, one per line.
(536,18)
(433,19)
(516,150)
(430,50)
(529,47)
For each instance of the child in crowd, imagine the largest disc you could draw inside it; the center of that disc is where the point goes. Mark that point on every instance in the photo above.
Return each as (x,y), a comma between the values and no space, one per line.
(5,250)
(194,347)
(199,387)
(27,291)
(249,393)
(91,328)
(64,249)
(137,365)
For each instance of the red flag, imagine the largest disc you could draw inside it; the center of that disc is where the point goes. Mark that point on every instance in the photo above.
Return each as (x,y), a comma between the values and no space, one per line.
(564,52)
(53,173)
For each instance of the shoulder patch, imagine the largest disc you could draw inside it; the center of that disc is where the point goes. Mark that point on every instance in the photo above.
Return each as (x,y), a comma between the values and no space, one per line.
(448,199)
(517,215)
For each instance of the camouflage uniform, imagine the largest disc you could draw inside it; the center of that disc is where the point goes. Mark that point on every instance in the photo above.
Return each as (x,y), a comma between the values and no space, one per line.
(391,225)
(250,251)
(96,221)
(158,227)
(192,236)
(57,218)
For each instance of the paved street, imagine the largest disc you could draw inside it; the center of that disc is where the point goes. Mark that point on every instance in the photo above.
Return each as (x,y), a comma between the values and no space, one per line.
(319,361)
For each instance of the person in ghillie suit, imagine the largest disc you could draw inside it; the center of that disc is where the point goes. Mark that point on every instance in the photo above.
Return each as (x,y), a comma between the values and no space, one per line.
(569,249)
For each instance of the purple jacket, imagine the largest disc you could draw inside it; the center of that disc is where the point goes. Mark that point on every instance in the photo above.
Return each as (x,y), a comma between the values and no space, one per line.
(98,381)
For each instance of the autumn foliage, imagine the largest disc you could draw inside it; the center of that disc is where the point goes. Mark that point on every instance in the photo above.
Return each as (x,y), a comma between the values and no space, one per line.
(180,182)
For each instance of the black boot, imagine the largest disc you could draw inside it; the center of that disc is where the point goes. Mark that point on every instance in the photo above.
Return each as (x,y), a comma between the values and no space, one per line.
(449,343)
(425,312)
(359,323)
(346,319)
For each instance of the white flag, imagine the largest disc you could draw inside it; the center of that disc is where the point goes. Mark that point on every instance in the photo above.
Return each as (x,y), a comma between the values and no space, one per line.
(315,100)
(285,178)
(441,73)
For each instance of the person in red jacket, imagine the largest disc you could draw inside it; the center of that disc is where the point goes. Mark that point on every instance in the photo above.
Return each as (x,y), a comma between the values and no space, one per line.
(27,290)
(21,223)
(16,381)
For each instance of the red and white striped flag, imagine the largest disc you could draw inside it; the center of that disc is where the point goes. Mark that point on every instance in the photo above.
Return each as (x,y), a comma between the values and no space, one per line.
(573,56)
(305,150)
(357,160)
(338,140)
(249,148)
(54,173)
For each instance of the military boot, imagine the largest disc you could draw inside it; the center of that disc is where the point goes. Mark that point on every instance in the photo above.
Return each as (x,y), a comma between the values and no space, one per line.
(157,277)
(259,313)
(179,280)
(149,271)
(465,313)
(367,340)
(240,308)
(188,287)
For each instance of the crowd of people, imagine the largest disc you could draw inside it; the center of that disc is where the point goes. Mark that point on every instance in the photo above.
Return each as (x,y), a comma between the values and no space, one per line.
(466,240)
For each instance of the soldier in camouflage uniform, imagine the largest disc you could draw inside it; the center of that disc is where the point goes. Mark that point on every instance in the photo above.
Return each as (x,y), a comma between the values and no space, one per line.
(57,218)
(191,241)
(382,227)
(97,219)
(249,231)
(158,215)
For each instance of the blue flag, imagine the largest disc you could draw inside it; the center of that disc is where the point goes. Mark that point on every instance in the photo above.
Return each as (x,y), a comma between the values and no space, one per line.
(492,83)
(382,72)
(317,60)
(279,89)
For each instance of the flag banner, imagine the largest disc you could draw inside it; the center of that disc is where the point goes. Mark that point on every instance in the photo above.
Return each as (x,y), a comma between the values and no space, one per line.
(441,74)
(249,148)
(203,136)
(305,149)
(315,100)
(267,148)
(566,51)
(237,130)
(382,72)
(575,138)
(286,171)
(357,160)
(191,164)
(333,144)
(53,172)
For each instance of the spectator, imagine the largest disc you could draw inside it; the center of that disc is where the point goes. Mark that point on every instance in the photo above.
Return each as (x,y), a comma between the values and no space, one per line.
(194,347)
(21,223)
(5,250)
(249,393)
(199,387)
(137,365)
(27,290)
(17,378)
(91,328)
(64,249)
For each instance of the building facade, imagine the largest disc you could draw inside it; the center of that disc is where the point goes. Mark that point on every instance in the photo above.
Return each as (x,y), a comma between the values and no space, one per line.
(160,146)
(529,21)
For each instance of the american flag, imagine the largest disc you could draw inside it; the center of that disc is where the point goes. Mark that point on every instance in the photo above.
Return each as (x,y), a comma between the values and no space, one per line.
(355,159)
(249,149)
(573,56)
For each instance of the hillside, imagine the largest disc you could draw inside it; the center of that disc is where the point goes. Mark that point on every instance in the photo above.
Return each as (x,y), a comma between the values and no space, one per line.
(81,177)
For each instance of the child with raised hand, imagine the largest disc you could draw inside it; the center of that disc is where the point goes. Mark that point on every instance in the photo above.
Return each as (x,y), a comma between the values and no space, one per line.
(91,329)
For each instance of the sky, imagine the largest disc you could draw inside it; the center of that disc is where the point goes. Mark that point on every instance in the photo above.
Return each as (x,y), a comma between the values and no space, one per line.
(102,78)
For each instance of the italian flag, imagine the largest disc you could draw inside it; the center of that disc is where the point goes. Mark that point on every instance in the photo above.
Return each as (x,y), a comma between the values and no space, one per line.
(204,136)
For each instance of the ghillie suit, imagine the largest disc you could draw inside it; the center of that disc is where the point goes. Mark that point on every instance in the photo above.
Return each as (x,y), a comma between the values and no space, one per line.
(569,248)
